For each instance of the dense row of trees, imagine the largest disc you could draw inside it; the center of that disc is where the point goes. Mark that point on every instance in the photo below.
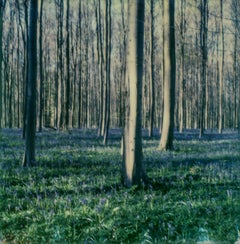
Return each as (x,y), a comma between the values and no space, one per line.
(185,70)
(82,58)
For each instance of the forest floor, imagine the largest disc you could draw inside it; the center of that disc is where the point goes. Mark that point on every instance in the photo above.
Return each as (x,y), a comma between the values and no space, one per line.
(74,194)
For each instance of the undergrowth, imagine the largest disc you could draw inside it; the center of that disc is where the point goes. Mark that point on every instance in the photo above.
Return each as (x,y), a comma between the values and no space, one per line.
(74,195)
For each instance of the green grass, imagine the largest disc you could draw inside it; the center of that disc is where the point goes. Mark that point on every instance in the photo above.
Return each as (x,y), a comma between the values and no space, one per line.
(74,194)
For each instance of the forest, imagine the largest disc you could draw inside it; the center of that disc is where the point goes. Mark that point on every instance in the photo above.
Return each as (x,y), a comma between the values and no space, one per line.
(119,121)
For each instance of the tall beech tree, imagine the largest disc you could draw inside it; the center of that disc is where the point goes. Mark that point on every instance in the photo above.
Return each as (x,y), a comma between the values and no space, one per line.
(235,10)
(68,84)
(29,156)
(182,64)
(221,71)
(41,73)
(123,52)
(59,84)
(152,71)
(2,6)
(108,71)
(80,63)
(133,172)
(169,75)
(101,61)
(25,62)
(204,53)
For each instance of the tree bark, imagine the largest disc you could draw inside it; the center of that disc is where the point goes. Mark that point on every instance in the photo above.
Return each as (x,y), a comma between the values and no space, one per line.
(68,82)
(169,75)
(59,84)
(108,70)
(41,100)
(25,67)
(2,7)
(203,38)
(152,71)
(133,172)
(80,63)
(221,71)
(182,69)
(101,70)
(62,100)
(235,10)
(29,157)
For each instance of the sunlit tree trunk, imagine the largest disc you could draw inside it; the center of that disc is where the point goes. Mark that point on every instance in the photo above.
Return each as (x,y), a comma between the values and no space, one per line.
(132,166)
(29,157)
(169,75)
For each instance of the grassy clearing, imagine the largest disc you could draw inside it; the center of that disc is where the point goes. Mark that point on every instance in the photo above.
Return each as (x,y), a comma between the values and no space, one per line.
(74,195)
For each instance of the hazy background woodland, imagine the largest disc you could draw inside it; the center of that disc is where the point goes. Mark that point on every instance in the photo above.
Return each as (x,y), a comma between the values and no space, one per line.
(75,57)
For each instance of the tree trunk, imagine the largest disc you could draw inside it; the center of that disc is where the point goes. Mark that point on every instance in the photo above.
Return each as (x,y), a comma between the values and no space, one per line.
(221,71)
(122,90)
(61,68)
(169,73)
(59,87)
(182,68)
(41,100)
(152,72)
(19,81)
(108,70)
(68,84)
(235,11)
(29,157)
(25,68)
(101,70)
(132,166)
(80,63)
(203,36)
(2,6)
